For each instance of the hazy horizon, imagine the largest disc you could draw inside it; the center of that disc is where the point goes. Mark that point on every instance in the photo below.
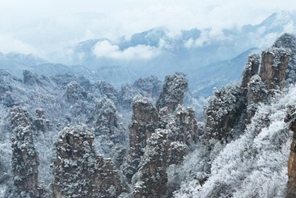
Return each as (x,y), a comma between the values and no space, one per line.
(41,27)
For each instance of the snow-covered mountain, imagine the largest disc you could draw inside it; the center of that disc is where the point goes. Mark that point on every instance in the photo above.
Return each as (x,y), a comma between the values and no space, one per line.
(69,137)
(196,53)
(158,52)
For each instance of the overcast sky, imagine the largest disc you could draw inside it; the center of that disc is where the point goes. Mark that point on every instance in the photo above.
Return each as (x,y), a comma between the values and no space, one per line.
(41,26)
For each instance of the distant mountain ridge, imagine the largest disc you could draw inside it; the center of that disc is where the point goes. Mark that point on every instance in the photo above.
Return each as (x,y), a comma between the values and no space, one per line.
(194,52)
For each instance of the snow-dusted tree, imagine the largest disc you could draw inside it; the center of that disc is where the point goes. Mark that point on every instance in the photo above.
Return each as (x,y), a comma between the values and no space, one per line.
(288,42)
(151,179)
(225,111)
(144,122)
(273,67)
(79,171)
(172,92)
(24,156)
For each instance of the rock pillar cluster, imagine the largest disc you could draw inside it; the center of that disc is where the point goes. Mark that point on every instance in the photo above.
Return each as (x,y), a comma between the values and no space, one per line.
(145,120)
(159,136)
(79,171)
(24,155)
(172,93)
(273,68)
(152,176)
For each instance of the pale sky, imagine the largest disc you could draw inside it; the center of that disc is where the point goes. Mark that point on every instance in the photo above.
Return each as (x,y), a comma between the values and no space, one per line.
(42,26)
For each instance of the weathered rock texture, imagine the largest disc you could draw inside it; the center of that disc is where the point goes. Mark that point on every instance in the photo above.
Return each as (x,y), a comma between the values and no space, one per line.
(24,156)
(75,92)
(40,123)
(273,68)
(106,122)
(152,173)
(159,139)
(150,87)
(225,111)
(232,105)
(291,119)
(127,94)
(288,42)
(251,69)
(107,90)
(79,171)
(257,92)
(109,132)
(172,92)
(182,135)
(145,120)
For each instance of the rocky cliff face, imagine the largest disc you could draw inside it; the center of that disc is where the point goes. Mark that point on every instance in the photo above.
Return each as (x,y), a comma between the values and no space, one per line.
(109,131)
(150,87)
(172,92)
(159,138)
(145,120)
(152,175)
(273,67)
(24,156)
(108,91)
(75,92)
(257,92)
(79,171)
(40,123)
(250,70)
(225,110)
(234,104)
(288,42)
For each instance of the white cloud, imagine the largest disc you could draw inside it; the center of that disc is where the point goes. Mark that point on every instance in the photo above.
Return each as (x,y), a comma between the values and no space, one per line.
(107,50)
(9,44)
(52,25)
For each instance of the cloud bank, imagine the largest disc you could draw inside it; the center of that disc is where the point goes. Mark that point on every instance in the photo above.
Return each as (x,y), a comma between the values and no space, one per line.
(104,49)
(45,26)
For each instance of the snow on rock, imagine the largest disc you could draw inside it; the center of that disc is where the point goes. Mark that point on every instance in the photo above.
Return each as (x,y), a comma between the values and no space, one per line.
(145,120)
(251,69)
(254,165)
(151,179)
(172,92)
(24,155)
(288,42)
(273,67)
(225,110)
(78,170)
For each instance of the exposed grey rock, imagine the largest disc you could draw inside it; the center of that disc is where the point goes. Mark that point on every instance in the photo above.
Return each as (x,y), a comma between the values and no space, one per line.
(145,120)
(273,67)
(150,87)
(127,94)
(108,91)
(75,92)
(109,131)
(24,156)
(152,177)
(40,123)
(288,42)
(172,92)
(79,171)
(224,111)
(257,92)
(251,69)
